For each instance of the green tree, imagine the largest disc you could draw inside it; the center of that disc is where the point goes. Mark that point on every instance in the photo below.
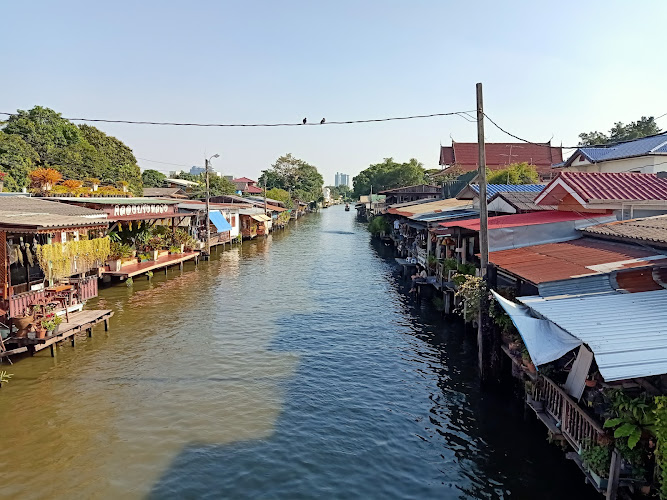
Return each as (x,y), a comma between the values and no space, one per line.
(280,195)
(152,178)
(388,175)
(17,160)
(295,176)
(643,127)
(76,152)
(517,173)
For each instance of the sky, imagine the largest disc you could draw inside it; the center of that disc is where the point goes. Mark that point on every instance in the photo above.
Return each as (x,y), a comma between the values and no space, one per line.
(550,70)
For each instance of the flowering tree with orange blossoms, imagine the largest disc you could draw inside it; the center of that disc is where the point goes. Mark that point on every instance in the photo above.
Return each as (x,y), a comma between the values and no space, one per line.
(43,179)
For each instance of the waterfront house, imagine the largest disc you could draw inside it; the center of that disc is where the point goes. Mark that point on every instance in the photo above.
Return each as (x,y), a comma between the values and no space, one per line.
(464,156)
(370,205)
(223,218)
(645,155)
(254,222)
(643,231)
(128,215)
(51,254)
(628,195)
(411,193)
(246,186)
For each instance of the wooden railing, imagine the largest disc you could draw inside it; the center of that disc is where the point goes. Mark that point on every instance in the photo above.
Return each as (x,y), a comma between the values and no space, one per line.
(19,303)
(86,288)
(576,425)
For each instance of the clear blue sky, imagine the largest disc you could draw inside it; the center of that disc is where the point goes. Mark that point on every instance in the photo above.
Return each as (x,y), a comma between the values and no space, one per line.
(549,70)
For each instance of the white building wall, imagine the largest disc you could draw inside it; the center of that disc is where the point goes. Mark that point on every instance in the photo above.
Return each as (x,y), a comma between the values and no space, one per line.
(649,164)
(236,229)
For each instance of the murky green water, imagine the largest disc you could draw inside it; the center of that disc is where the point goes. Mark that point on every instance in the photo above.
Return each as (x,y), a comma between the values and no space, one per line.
(292,367)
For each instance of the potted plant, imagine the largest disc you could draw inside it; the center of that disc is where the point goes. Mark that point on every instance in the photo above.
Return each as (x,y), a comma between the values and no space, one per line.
(144,257)
(527,362)
(174,249)
(22,323)
(51,324)
(597,459)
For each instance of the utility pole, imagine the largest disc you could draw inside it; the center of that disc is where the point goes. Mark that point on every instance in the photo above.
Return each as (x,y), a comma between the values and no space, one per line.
(483,212)
(207,162)
(208,217)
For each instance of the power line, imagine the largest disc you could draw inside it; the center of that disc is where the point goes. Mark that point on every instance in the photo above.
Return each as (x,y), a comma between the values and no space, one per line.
(164,162)
(462,114)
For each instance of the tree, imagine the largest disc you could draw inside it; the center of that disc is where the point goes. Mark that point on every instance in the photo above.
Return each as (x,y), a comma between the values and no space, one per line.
(517,173)
(43,179)
(643,127)
(280,195)
(17,160)
(152,178)
(295,176)
(76,152)
(388,175)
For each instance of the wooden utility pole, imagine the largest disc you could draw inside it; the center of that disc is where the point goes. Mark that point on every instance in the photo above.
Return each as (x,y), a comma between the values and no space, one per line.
(483,212)
(487,350)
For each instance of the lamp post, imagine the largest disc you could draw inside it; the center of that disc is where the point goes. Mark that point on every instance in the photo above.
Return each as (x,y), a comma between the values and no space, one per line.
(208,201)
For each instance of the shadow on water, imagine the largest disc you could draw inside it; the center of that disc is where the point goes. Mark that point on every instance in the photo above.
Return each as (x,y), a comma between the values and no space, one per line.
(384,403)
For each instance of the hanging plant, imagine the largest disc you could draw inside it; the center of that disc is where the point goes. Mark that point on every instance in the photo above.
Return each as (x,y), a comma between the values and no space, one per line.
(57,259)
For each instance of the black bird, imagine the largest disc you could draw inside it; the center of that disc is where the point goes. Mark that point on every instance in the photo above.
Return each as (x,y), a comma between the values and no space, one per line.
(322,121)
(304,121)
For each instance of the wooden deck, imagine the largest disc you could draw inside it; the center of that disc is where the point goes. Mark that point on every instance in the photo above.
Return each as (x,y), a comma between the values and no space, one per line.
(78,322)
(130,270)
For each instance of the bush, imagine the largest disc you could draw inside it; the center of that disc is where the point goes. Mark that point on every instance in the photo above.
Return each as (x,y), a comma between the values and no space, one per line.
(379,225)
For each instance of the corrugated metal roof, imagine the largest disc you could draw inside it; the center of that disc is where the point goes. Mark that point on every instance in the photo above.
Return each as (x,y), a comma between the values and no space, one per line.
(521,201)
(493,189)
(626,332)
(599,187)
(430,207)
(644,229)
(587,285)
(655,144)
(441,216)
(114,200)
(39,221)
(529,219)
(560,261)
(24,204)
(466,155)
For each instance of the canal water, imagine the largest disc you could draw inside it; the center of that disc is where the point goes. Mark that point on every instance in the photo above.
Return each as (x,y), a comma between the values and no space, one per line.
(291,367)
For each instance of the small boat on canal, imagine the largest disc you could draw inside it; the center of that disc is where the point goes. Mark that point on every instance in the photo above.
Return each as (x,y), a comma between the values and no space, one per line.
(347,207)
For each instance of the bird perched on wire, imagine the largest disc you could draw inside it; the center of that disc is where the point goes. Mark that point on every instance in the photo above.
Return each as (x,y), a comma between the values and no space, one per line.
(322,121)
(304,121)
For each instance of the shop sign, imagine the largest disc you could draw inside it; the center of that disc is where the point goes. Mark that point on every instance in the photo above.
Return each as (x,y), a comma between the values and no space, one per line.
(124,210)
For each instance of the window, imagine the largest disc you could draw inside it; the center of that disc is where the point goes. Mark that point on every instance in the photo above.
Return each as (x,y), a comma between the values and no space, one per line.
(233,220)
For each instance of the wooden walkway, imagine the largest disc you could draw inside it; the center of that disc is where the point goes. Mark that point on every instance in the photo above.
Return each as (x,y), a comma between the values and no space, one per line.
(78,322)
(143,267)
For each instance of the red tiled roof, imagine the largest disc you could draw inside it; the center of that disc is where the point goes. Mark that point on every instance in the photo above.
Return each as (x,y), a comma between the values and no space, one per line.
(561,261)
(529,219)
(253,190)
(243,179)
(465,155)
(597,186)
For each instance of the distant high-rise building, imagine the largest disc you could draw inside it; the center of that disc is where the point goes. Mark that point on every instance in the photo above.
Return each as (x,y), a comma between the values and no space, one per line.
(197,170)
(342,180)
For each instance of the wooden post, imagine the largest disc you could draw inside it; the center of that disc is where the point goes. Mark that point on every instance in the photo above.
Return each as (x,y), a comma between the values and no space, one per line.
(614,473)
(90,332)
(53,354)
(106,324)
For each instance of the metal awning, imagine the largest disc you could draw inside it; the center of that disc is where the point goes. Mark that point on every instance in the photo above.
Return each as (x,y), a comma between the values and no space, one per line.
(261,217)
(219,221)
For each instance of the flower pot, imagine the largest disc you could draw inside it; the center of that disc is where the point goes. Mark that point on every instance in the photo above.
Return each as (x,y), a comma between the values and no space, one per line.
(114,265)
(182,248)
(530,367)
(155,254)
(40,333)
(600,482)
(22,324)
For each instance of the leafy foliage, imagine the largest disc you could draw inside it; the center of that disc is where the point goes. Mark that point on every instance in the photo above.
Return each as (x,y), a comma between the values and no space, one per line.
(632,416)
(597,458)
(280,195)
(44,179)
(517,173)
(620,132)
(295,176)
(152,178)
(470,291)
(379,225)
(42,138)
(388,175)
(661,450)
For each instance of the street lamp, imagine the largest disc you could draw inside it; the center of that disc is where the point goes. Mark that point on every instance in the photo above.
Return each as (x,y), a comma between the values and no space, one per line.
(208,201)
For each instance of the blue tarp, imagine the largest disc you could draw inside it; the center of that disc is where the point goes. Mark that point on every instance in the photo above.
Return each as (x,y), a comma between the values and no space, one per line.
(219,221)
